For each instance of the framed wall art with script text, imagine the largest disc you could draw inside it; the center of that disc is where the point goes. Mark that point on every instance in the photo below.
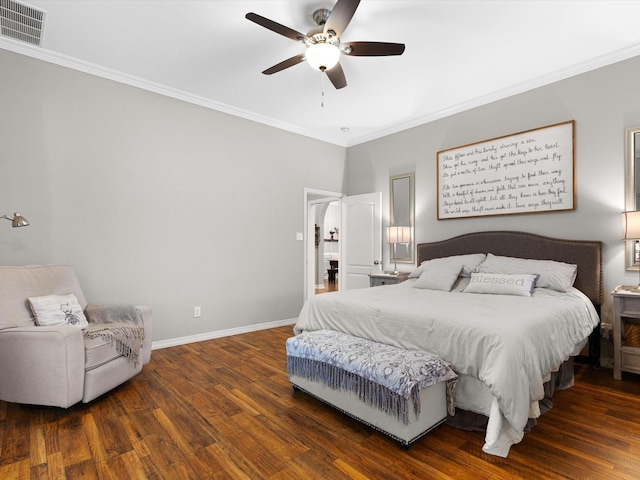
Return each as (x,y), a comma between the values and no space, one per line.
(526,172)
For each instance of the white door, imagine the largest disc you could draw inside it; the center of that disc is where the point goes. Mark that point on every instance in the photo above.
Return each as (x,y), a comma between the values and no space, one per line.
(361,239)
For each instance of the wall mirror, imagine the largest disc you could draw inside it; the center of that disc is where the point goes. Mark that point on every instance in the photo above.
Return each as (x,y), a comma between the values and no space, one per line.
(401,201)
(632,191)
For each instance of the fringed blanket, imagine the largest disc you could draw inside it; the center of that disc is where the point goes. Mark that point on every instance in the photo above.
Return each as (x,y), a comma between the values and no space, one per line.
(117,324)
(383,376)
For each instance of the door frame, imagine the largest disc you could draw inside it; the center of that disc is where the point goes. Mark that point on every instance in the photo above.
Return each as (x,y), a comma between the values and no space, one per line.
(312,195)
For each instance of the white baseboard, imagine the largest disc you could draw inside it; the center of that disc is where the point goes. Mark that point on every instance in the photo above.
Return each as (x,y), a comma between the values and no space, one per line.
(172,342)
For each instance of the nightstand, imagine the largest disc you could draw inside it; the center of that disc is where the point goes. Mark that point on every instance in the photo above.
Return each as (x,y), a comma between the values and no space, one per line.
(626,315)
(386,278)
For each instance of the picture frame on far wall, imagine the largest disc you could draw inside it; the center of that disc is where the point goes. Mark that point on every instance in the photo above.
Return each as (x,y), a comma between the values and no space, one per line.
(525,172)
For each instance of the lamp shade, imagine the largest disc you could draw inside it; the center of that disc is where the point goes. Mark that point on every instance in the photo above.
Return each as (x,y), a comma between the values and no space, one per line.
(396,234)
(17,220)
(631,225)
(322,56)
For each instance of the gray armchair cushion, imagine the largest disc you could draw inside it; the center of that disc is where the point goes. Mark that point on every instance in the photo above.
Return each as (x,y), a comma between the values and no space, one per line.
(97,352)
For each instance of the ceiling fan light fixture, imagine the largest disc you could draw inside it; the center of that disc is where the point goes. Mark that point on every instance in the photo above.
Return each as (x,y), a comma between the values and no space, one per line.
(322,56)
(324,47)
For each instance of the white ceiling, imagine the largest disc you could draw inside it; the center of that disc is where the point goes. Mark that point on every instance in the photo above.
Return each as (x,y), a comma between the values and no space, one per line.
(459,54)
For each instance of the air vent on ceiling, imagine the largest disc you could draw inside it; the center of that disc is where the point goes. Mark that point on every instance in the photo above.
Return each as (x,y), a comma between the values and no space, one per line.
(21,22)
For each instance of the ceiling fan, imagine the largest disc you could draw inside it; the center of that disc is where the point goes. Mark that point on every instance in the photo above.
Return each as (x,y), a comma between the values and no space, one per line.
(323,42)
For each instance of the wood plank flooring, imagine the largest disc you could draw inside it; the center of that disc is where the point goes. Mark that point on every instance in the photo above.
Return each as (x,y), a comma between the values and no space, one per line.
(224,409)
(328,287)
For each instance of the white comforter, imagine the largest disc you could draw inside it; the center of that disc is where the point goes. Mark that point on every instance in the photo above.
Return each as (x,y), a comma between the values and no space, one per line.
(508,343)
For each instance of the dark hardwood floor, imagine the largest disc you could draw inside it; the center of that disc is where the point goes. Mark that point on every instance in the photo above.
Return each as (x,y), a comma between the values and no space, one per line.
(328,287)
(224,409)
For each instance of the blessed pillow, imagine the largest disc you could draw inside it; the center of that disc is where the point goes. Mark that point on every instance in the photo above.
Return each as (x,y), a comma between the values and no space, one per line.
(467,262)
(551,274)
(54,310)
(439,276)
(501,284)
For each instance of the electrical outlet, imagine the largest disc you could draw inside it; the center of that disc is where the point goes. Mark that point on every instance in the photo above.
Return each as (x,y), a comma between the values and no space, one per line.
(197,311)
(606,330)
(299,236)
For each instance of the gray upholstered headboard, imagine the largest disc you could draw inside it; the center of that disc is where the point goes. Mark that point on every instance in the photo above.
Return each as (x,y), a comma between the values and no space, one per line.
(586,254)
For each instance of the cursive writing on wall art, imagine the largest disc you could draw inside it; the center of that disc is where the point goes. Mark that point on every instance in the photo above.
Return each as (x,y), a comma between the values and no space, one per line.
(526,172)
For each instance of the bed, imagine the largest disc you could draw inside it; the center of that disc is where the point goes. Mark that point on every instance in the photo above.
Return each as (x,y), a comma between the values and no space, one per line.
(511,349)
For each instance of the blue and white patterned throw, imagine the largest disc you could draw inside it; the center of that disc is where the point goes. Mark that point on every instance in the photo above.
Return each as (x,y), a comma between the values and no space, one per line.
(382,376)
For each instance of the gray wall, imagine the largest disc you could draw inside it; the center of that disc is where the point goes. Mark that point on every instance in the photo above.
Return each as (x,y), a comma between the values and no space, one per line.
(603,103)
(160,202)
(156,201)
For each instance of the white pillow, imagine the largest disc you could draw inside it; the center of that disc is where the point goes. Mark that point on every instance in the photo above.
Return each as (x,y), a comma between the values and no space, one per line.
(53,310)
(468,263)
(501,284)
(439,276)
(551,274)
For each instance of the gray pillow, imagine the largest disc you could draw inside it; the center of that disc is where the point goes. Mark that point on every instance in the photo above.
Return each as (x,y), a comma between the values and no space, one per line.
(439,276)
(468,262)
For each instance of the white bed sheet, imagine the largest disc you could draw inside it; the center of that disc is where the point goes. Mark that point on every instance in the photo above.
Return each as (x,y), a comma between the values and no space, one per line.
(509,343)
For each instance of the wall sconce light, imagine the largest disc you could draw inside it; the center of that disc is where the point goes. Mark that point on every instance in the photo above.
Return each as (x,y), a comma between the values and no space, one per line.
(631,232)
(17,220)
(397,235)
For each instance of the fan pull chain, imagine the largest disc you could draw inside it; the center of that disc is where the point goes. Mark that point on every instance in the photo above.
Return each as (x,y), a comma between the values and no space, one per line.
(322,89)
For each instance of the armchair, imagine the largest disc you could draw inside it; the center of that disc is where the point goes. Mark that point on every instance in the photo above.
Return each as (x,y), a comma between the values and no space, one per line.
(55,365)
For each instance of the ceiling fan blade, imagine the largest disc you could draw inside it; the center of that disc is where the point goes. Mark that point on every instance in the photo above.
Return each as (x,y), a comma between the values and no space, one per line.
(275,27)
(341,15)
(289,62)
(336,75)
(373,49)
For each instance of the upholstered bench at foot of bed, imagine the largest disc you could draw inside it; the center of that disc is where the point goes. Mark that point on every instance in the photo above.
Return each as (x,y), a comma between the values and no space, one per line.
(402,393)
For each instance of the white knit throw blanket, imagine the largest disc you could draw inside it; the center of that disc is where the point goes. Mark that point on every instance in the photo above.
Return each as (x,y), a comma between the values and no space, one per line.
(117,324)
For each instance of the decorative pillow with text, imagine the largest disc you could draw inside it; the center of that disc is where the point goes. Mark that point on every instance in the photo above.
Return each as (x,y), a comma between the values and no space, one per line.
(501,284)
(551,274)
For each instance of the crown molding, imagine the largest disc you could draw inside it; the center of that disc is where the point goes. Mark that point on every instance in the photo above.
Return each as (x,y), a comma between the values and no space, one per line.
(120,77)
(562,74)
(100,71)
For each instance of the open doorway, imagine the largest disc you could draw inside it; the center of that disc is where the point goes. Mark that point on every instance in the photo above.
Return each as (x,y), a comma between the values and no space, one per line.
(322,241)
(327,247)
(359,237)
